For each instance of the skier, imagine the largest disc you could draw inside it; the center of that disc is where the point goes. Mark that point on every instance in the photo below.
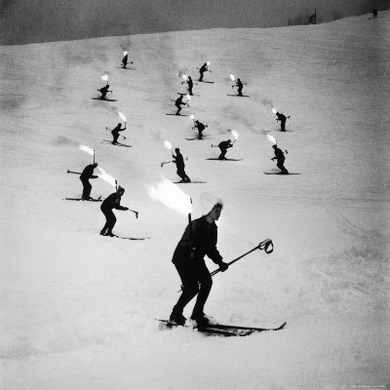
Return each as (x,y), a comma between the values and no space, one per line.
(204,68)
(111,202)
(84,177)
(190,84)
(282,118)
(279,156)
(240,86)
(104,91)
(224,146)
(125,60)
(179,161)
(200,127)
(199,239)
(178,103)
(375,13)
(115,133)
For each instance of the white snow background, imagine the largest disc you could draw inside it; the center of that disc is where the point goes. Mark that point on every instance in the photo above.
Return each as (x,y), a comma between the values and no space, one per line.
(78,310)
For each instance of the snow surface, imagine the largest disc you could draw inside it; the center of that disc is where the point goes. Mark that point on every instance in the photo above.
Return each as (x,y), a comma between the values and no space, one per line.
(78,310)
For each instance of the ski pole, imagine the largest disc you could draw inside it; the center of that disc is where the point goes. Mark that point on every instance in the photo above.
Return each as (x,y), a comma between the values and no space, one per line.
(265,245)
(75,173)
(165,162)
(135,212)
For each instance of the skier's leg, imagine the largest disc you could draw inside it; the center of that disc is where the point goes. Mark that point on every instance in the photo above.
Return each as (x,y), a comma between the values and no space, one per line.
(206,283)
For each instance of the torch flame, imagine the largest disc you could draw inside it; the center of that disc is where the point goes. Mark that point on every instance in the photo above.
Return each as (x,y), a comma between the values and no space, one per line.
(168,145)
(272,139)
(235,134)
(122,116)
(106,177)
(232,77)
(188,96)
(105,77)
(171,196)
(192,116)
(208,63)
(185,77)
(87,149)
(125,53)
(274,110)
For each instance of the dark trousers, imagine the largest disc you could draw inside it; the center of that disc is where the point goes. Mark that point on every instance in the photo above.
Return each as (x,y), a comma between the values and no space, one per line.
(183,176)
(281,167)
(283,124)
(110,221)
(196,279)
(223,154)
(87,188)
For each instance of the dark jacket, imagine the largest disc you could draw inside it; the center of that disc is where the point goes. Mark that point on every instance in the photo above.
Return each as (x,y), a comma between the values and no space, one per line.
(199,239)
(88,173)
(113,202)
(279,155)
(179,161)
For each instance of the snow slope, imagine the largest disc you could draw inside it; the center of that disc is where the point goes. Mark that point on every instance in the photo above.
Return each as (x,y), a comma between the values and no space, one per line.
(78,309)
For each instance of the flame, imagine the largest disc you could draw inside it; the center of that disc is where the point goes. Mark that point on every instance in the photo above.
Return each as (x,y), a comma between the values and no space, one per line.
(192,116)
(185,77)
(188,96)
(272,139)
(171,196)
(232,77)
(106,177)
(274,110)
(235,134)
(87,149)
(122,116)
(105,77)
(208,63)
(125,53)
(168,145)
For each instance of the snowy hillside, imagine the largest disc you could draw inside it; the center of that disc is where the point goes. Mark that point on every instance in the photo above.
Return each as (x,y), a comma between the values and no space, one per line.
(78,310)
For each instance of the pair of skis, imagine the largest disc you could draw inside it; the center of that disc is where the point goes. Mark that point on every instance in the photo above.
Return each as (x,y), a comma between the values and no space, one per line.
(225,329)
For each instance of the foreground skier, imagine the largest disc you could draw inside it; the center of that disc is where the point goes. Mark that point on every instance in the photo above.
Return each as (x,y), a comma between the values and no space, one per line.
(199,239)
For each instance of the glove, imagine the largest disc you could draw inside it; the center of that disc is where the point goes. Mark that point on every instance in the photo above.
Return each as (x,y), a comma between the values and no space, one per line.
(223,266)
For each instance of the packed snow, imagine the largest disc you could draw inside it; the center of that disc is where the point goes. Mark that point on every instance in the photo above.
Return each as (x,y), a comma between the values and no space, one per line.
(78,310)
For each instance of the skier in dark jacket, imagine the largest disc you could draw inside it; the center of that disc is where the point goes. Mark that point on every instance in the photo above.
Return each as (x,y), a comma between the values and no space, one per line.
(104,91)
(115,132)
(190,85)
(179,161)
(279,156)
(84,177)
(200,127)
(204,68)
(178,103)
(111,202)
(240,86)
(224,146)
(282,118)
(199,239)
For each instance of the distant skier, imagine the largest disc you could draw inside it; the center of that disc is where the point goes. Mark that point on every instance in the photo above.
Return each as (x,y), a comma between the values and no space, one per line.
(239,86)
(179,103)
(125,59)
(179,161)
(199,240)
(282,118)
(200,127)
(224,146)
(279,156)
(104,91)
(204,68)
(375,13)
(84,177)
(111,202)
(115,132)
(190,85)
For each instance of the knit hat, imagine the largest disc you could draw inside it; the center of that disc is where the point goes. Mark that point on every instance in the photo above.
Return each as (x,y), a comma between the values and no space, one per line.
(208,201)
(120,189)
